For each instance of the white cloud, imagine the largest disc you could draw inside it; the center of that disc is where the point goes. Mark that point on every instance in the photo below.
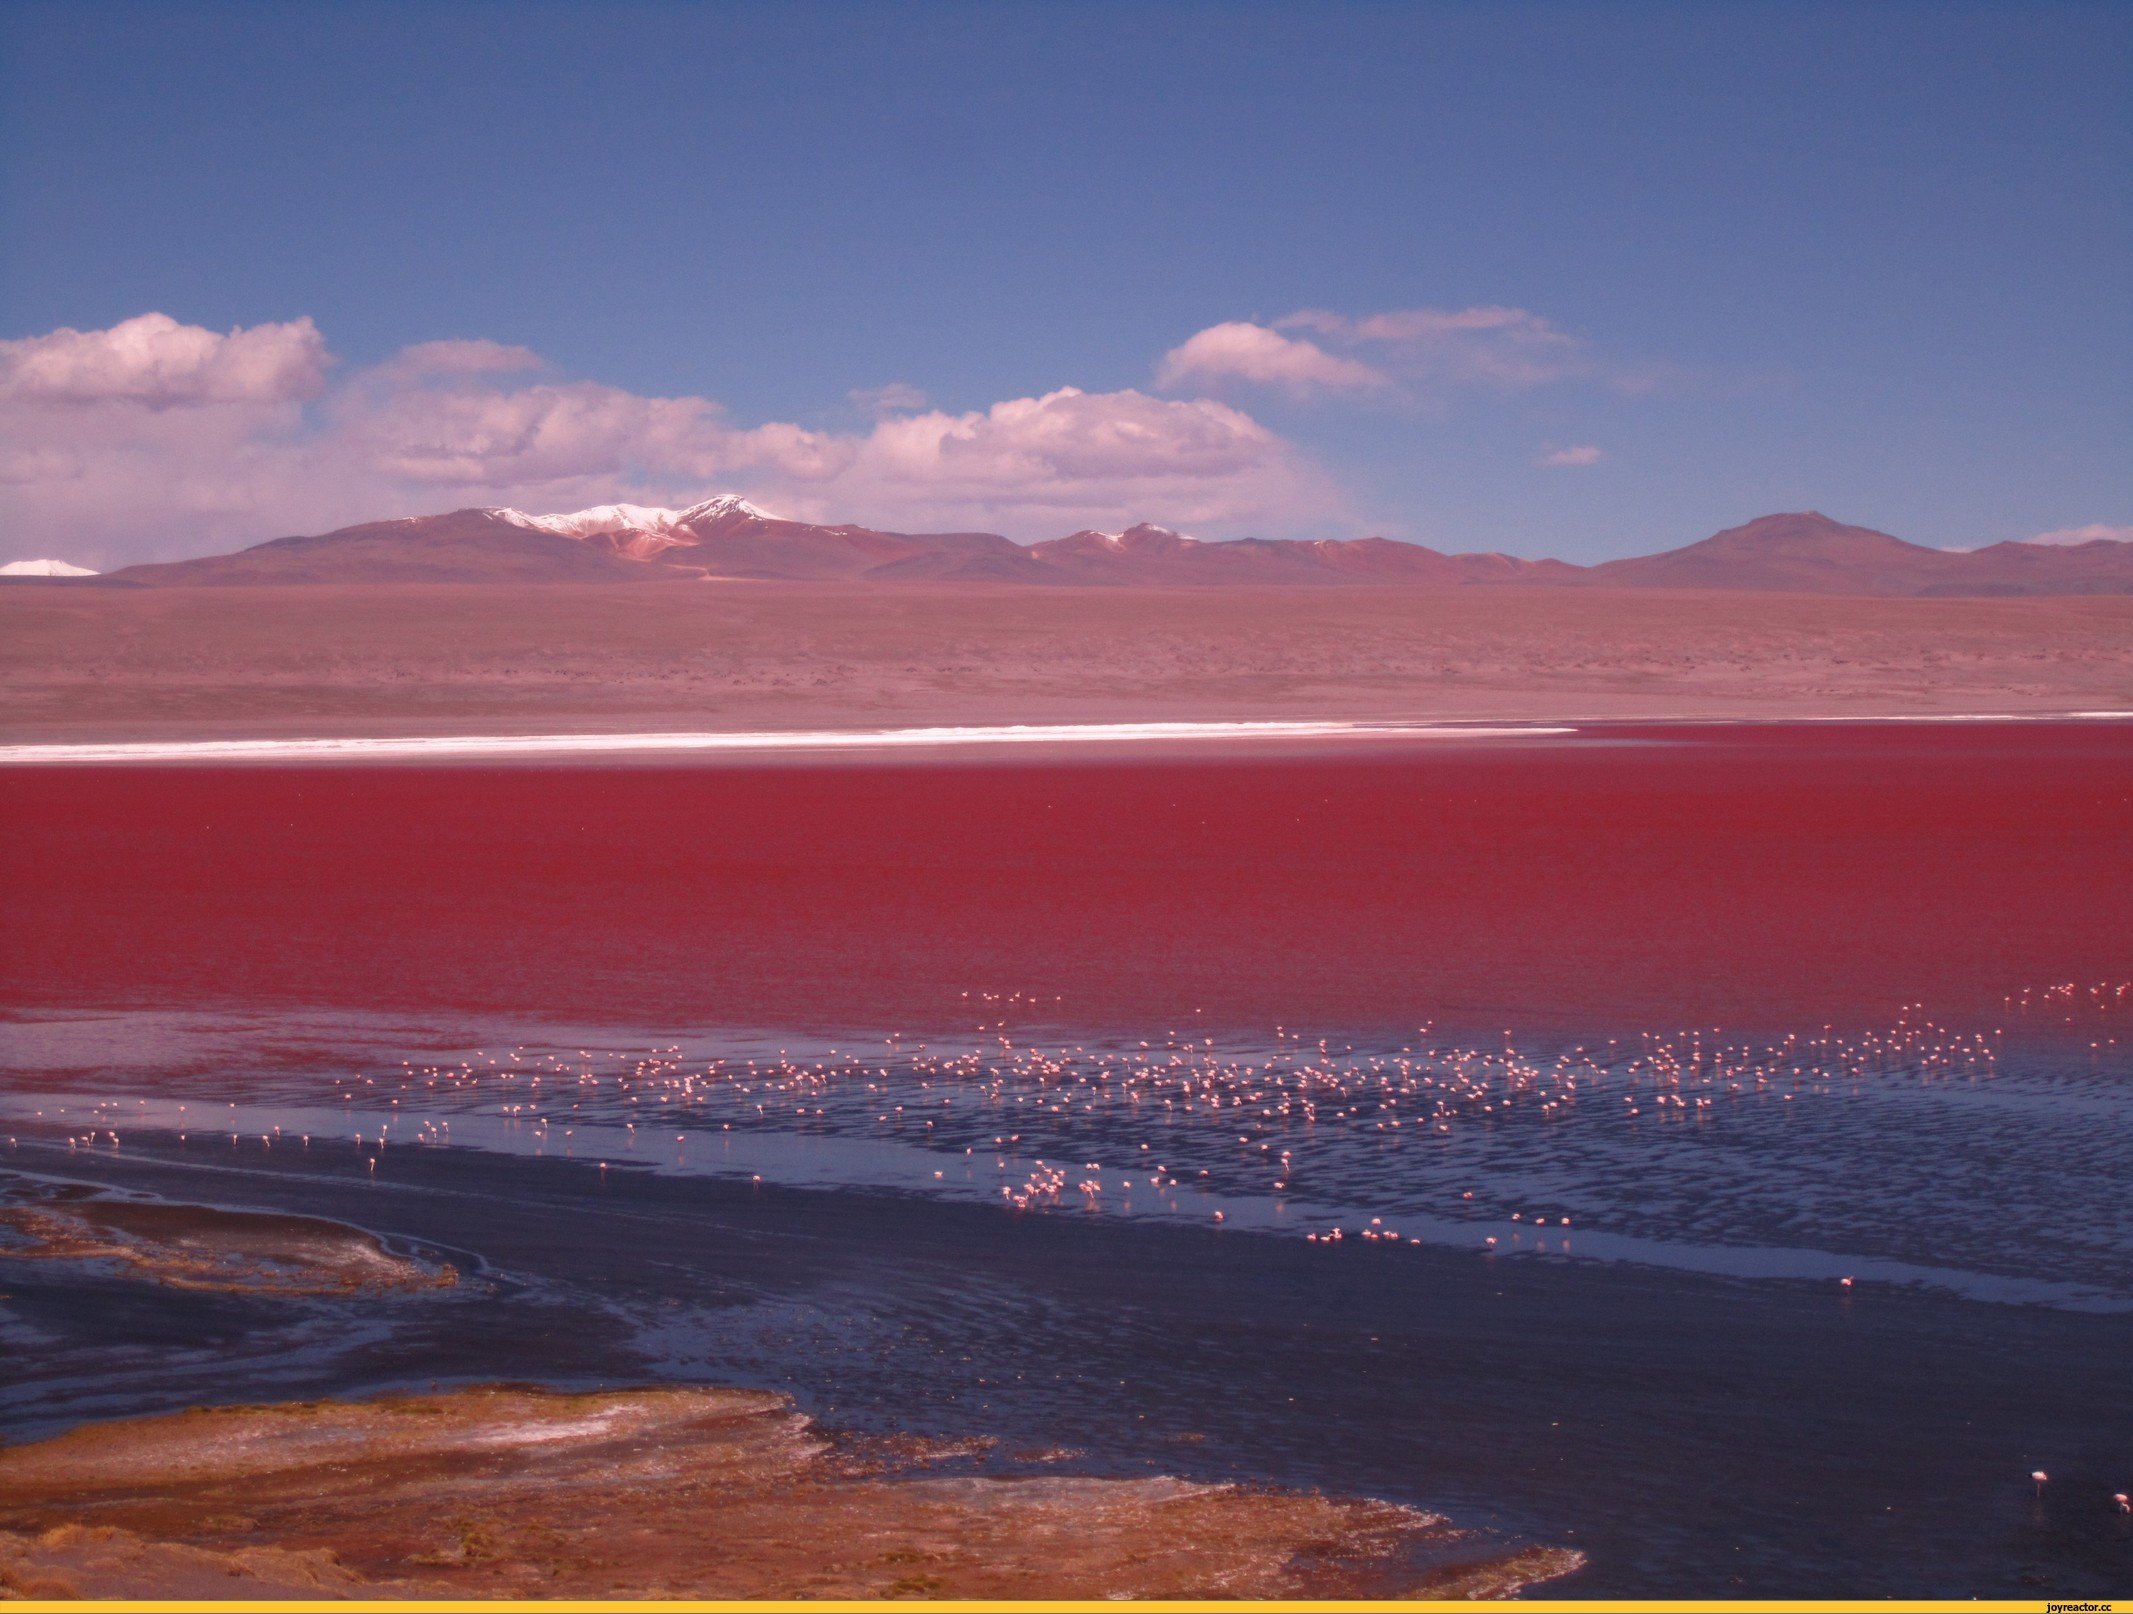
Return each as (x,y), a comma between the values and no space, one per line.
(1399,353)
(1576,454)
(477,436)
(1034,466)
(1239,351)
(153,362)
(2084,535)
(156,439)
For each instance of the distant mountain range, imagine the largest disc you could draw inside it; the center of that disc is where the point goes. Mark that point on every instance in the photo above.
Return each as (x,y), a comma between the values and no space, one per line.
(729,538)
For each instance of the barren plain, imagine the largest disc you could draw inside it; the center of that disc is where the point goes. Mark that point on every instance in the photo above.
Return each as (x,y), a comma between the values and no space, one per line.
(110,663)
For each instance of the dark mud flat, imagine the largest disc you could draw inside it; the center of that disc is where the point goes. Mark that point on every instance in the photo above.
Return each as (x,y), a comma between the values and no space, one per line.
(1689,1436)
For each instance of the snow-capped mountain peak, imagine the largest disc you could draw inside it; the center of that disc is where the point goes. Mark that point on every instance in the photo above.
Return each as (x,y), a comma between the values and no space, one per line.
(725,505)
(602,519)
(46,567)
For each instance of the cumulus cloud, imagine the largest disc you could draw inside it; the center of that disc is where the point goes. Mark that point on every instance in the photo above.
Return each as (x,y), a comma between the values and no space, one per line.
(478,437)
(154,362)
(1240,351)
(1074,458)
(2084,535)
(1576,454)
(156,439)
(1402,352)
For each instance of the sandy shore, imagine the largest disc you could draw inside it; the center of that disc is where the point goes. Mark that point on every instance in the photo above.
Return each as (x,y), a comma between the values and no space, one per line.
(118,665)
(698,1493)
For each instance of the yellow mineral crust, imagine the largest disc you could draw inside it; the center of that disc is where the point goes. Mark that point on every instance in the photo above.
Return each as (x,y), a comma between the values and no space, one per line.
(696,1493)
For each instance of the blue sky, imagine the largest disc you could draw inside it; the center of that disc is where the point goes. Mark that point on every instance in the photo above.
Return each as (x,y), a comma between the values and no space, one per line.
(1871,259)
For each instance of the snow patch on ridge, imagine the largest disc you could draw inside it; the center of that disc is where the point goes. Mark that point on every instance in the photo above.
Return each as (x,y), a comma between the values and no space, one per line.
(2094,532)
(601,518)
(726,504)
(1130,538)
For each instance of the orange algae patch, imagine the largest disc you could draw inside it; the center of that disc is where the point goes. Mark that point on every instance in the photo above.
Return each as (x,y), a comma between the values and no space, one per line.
(695,1493)
(197,1247)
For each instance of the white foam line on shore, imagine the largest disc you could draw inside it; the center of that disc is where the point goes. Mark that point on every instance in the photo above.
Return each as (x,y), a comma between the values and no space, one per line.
(1973,717)
(413,748)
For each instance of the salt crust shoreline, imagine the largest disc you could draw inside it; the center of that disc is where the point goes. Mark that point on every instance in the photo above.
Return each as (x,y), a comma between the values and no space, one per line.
(773,742)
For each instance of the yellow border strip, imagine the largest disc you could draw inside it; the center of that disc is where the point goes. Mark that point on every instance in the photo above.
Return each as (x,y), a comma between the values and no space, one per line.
(825,1606)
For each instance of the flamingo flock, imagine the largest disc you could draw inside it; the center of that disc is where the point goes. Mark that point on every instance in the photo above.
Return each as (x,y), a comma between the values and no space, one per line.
(1185,1122)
